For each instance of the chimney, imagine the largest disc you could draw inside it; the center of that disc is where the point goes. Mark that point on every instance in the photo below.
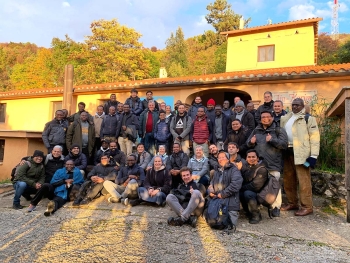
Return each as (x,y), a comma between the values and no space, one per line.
(241,23)
(162,73)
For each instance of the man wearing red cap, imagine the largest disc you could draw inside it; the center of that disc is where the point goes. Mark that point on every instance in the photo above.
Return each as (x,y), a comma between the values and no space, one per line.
(210,109)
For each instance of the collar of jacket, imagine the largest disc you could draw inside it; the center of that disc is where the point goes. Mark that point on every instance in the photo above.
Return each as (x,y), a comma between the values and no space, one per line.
(202,119)
(98,116)
(50,157)
(198,160)
(160,169)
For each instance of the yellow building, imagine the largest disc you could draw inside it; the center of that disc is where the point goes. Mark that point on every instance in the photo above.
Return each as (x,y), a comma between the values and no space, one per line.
(287,44)
(24,113)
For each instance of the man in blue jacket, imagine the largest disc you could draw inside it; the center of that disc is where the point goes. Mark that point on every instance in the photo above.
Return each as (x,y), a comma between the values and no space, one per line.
(59,189)
(162,131)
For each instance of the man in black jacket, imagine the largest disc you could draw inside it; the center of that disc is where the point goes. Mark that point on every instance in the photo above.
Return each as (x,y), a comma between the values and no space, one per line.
(117,157)
(187,201)
(92,188)
(109,126)
(177,160)
(111,102)
(149,97)
(254,176)
(220,123)
(53,162)
(129,178)
(55,132)
(269,141)
(246,118)
(127,130)
(267,106)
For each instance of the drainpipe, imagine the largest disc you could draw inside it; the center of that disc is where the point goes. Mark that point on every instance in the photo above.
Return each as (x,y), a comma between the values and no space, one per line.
(347,157)
(68,88)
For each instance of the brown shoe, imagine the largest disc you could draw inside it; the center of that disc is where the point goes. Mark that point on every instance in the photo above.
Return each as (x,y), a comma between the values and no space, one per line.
(304,212)
(288,207)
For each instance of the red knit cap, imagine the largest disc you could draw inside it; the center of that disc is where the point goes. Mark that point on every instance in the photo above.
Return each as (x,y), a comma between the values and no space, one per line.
(211,102)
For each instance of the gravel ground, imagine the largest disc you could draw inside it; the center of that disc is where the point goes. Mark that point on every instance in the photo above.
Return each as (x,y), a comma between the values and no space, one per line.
(106,232)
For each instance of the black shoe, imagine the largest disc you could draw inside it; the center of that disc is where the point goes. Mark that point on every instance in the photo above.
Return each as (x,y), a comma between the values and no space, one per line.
(86,201)
(177,221)
(135,202)
(275,212)
(170,221)
(77,202)
(192,221)
(229,230)
(256,218)
(17,206)
(50,208)
(163,204)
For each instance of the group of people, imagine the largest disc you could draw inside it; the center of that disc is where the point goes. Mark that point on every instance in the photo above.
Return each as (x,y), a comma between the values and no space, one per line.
(182,157)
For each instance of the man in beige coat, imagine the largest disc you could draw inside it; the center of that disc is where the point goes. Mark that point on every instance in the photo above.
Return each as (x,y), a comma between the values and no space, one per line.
(303,149)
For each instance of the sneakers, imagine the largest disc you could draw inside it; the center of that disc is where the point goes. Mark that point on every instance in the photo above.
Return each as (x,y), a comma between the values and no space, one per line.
(177,221)
(31,208)
(113,200)
(50,208)
(17,206)
(135,202)
(275,212)
(85,201)
(192,221)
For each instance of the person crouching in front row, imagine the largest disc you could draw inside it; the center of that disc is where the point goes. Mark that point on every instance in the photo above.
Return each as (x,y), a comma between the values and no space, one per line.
(187,201)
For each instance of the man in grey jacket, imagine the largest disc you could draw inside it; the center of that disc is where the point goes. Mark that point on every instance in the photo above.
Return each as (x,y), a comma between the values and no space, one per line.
(55,132)
(180,127)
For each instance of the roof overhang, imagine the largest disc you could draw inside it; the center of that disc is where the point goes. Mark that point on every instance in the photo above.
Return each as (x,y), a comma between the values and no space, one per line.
(21,134)
(337,108)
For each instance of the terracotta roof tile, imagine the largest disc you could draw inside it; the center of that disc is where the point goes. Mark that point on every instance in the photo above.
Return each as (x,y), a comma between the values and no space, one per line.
(272,26)
(235,75)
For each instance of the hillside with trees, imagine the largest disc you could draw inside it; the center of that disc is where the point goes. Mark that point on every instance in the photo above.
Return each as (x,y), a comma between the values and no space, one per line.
(113,52)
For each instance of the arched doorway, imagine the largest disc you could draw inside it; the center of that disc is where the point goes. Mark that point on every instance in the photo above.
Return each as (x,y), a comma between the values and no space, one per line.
(219,95)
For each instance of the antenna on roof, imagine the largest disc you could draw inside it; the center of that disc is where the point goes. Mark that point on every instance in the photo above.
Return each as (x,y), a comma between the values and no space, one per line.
(269,21)
(334,23)
(241,23)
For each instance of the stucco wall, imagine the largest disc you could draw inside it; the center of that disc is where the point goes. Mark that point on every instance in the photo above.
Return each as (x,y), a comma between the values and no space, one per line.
(291,49)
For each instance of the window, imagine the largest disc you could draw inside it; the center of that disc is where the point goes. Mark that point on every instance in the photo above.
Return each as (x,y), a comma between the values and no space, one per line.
(2,150)
(2,112)
(56,105)
(266,53)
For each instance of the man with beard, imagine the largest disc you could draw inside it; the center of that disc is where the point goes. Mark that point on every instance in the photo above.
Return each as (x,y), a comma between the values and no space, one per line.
(239,135)
(129,178)
(76,116)
(117,157)
(92,188)
(134,102)
(235,158)
(176,160)
(192,111)
(79,158)
(187,201)
(213,159)
(127,130)
(111,102)
(246,118)
(267,106)
(55,132)
(180,127)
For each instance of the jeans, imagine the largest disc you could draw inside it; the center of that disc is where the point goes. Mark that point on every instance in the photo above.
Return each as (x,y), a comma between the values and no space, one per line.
(159,198)
(248,197)
(195,206)
(120,191)
(20,189)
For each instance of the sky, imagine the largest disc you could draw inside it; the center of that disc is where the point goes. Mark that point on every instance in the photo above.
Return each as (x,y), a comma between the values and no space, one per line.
(38,21)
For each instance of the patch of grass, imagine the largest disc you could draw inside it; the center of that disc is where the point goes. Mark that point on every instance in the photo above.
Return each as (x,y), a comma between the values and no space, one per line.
(316,244)
(329,210)
(6,181)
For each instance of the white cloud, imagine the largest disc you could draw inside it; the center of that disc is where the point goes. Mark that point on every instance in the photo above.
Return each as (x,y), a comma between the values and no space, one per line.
(65,4)
(298,12)
(202,21)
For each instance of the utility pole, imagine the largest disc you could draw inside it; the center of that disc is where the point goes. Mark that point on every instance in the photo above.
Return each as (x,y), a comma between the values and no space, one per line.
(335,23)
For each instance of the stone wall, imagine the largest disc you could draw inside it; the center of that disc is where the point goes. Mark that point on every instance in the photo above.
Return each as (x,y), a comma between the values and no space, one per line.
(329,185)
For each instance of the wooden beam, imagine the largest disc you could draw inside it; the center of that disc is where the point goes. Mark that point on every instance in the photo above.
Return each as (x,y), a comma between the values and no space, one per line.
(347,157)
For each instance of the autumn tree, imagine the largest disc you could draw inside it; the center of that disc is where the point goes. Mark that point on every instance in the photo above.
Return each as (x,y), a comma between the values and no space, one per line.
(327,49)
(176,54)
(222,17)
(343,54)
(154,57)
(113,53)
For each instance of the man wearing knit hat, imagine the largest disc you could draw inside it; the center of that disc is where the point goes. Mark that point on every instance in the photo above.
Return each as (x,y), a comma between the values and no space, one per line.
(246,118)
(210,110)
(29,178)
